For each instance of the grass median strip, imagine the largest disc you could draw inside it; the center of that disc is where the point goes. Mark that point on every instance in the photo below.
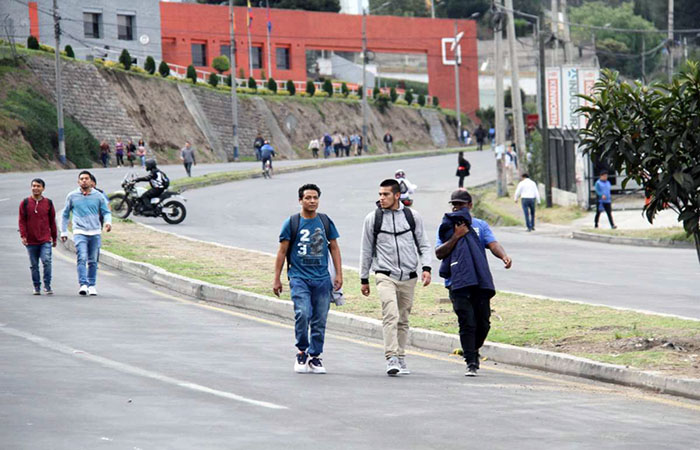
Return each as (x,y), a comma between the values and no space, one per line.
(672,234)
(226,177)
(643,341)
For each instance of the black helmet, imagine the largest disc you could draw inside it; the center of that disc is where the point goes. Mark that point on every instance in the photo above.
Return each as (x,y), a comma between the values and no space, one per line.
(150,164)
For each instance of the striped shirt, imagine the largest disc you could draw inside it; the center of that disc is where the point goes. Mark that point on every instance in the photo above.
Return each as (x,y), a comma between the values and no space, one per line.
(86,210)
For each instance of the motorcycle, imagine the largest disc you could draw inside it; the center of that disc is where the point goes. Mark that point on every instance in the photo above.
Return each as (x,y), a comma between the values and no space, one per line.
(169,205)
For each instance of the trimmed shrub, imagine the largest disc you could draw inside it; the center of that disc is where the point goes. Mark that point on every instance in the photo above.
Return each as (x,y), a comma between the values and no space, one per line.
(252,84)
(32,43)
(291,88)
(383,103)
(328,87)
(125,59)
(421,99)
(69,52)
(46,48)
(213,79)
(322,94)
(150,65)
(375,92)
(408,96)
(353,97)
(137,69)
(229,80)
(164,69)
(310,88)
(393,95)
(400,101)
(191,74)
(221,64)
(360,91)
(436,102)
(272,85)
(344,89)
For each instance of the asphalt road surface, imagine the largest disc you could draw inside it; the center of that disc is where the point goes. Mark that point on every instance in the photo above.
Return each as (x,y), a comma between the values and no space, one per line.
(249,214)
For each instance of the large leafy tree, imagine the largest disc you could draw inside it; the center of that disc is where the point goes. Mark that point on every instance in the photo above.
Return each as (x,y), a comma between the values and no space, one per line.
(652,133)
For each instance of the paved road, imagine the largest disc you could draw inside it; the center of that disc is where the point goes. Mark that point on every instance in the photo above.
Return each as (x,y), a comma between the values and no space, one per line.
(249,214)
(136,368)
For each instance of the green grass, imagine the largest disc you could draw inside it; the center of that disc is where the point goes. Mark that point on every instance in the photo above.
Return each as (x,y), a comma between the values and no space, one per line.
(676,234)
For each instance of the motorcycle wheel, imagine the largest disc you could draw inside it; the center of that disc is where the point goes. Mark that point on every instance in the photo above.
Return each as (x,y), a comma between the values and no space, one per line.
(120,206)
(173,212)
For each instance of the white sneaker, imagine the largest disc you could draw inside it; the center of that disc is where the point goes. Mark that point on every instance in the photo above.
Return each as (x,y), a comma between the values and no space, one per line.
(92,290)
(316,365)
(301,363)
(403,368)
(392,366)
(83,290)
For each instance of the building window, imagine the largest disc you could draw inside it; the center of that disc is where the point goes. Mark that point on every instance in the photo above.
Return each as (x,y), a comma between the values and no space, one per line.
(225,51)
(282,57)
(257,57)
(125,27)
(199,55)
(91,25)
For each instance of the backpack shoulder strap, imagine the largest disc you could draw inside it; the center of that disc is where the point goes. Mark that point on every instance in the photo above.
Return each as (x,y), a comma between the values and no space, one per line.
(378,218)
(25,204)
(412,224)
(294,220)
(326,224)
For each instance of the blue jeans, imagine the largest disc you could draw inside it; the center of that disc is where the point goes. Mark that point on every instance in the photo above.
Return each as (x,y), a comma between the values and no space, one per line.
(312,300)
(529,211)
(88,251)
(40,252)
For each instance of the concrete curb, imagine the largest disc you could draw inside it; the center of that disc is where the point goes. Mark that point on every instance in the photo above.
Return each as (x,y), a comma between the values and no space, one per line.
(423,339)
(641,242)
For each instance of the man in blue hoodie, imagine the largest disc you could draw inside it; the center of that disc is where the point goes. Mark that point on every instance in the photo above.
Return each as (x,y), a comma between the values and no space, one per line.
(602,189)
(461,244)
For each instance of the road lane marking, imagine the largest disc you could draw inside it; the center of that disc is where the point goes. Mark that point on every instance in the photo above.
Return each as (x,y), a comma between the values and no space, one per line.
(626,391)
(132,370)
(4,199)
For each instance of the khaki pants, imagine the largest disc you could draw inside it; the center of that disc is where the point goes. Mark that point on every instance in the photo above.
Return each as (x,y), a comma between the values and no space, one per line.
(397,300)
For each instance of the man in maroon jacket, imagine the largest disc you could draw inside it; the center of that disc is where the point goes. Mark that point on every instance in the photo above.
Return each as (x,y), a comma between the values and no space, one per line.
(37,227)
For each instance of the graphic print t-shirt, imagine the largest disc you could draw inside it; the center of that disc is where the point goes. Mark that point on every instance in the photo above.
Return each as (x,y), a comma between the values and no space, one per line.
(309,255)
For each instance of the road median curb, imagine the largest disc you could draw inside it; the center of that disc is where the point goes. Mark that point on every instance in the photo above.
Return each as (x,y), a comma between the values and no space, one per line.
(621,240)
(422,339)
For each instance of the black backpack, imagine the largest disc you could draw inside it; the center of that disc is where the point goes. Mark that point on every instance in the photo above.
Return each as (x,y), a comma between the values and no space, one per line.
(294,221)
(379,215)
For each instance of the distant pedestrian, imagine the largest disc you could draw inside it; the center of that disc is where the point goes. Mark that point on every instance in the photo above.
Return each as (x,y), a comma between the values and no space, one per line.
(266,154)
(360,144)
(314,146)
(394,245)
(492,137)
(86,204)
(104,153)
(306,240)
(119,152)
(130,152)
(466,137)
(257,145)
(463,168)
(337,144)
(345,141)
(529,194)
(37,229)
(603,190)
(327,145)
(480,135)
(461,244)
(188,158)
(141,152)
(388,142)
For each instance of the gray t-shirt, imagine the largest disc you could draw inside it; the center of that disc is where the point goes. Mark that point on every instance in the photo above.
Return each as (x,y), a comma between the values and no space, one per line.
(187,154)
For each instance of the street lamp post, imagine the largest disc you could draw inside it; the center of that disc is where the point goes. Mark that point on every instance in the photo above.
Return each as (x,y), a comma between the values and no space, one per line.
(364,79)
(234,96)
(458,56)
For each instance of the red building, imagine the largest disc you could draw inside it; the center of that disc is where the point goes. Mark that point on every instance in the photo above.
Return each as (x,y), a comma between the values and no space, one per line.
(196,34)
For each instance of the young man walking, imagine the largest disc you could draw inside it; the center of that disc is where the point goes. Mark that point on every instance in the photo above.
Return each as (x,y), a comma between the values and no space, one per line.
(187,157)
(395,246)
(37,229)
(306,240)
(460,245)
(603,190)
(529,194)
(86,204)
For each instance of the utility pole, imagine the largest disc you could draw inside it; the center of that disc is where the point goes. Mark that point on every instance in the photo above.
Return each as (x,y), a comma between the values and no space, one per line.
(644,59)
(234,94)
(59,86)
(500,125)
(566,35)
(457,55)
(545,125)
(432,9)
(516,100)
(555,29)
(268,26)
(365,143)
(669,60)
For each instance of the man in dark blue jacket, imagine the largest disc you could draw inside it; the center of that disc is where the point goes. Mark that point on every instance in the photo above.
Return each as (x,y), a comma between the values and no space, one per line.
(461,247)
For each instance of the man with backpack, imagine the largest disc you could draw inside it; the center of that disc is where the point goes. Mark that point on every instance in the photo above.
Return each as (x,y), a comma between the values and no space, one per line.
(394,246)
(306,240)
(37,229)
(158,180)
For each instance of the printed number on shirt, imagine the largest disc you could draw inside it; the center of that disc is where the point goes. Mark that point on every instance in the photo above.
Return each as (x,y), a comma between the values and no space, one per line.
(303,240)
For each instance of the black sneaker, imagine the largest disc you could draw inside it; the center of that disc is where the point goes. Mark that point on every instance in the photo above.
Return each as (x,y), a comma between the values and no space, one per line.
(471,370)
(316,365)
(301,363)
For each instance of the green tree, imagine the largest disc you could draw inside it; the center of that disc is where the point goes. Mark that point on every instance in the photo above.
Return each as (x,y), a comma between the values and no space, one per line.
(421,100)
(408,96)
(150,65)
(376,92)
(344,89)
(310,88)
(229,80)
(383,103)
(125,59)
(291,88)
(652,134)
(328,87)
(393,95)
(69,51)
(360,91)
(252,84)
(164,69)
(213,79)
(272,85)
(436,101)
(221,64)
(487,116)
(192,74)
(508,100)
(32,43)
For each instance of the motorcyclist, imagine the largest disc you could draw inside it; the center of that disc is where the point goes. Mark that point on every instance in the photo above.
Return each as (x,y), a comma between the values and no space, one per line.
(266,153)
(158,180)
(407,188)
